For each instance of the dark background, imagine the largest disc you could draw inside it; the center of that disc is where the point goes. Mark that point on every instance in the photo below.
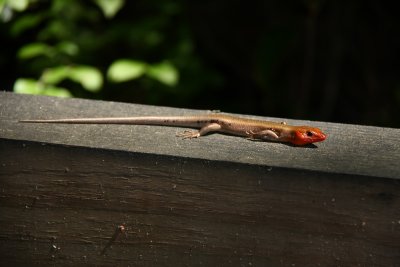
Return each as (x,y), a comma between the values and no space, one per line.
(321,60)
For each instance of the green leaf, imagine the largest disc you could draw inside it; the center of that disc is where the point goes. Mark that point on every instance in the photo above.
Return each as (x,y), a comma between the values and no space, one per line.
(56,91)
(110,7)
(89,77)
(19,5)
(55,75)
(33,87)
(164,72)
(26,22)
(68,48)
(34,50)
(27,86)
(6,13)
(124,70)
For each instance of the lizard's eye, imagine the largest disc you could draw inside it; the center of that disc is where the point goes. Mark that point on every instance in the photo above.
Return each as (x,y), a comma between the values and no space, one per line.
(309,133)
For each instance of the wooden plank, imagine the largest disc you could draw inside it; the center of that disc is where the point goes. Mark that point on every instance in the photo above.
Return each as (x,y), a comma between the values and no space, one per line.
(218,200)
(60,205)
(349,149)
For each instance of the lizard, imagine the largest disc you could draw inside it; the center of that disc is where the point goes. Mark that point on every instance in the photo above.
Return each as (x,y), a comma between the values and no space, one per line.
(253,129)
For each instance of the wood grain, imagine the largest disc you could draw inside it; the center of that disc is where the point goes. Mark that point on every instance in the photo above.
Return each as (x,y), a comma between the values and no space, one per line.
(64,190)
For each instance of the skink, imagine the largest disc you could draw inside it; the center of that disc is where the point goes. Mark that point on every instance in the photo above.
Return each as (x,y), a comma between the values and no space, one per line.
(214,122)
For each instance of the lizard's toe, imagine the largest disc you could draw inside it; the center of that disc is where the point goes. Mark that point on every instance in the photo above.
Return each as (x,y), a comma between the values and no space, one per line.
(189,134)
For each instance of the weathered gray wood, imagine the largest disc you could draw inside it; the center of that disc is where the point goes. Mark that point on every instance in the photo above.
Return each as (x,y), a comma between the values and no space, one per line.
(214,201)
(349,149)
(188,212)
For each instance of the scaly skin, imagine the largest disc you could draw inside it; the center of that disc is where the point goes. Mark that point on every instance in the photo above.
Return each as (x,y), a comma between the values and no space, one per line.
(215,122)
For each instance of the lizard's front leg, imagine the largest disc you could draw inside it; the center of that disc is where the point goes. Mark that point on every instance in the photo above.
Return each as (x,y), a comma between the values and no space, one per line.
(263,135)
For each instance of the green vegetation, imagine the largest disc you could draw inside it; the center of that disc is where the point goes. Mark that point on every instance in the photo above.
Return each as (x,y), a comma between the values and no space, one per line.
(80,48)
(312,59)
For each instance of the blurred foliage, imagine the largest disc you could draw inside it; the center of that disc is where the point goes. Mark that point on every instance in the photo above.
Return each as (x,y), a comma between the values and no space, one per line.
(83,46)
(314,59)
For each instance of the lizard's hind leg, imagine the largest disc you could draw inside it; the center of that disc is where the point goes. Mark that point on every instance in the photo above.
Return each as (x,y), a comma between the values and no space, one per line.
(189,134)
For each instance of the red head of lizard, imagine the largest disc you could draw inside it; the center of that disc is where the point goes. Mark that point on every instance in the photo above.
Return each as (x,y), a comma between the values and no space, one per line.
(304,135)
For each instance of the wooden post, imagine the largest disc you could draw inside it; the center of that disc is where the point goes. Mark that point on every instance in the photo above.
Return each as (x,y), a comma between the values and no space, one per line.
(122,195)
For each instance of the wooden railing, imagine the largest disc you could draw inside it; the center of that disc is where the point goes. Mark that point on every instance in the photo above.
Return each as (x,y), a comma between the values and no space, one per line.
(137,195)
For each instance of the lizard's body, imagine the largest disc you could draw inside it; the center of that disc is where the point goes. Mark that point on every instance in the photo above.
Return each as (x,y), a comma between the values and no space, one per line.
(214,122)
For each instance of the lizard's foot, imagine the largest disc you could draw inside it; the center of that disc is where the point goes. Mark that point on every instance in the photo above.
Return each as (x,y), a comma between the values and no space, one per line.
(189,134)
(250,136)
